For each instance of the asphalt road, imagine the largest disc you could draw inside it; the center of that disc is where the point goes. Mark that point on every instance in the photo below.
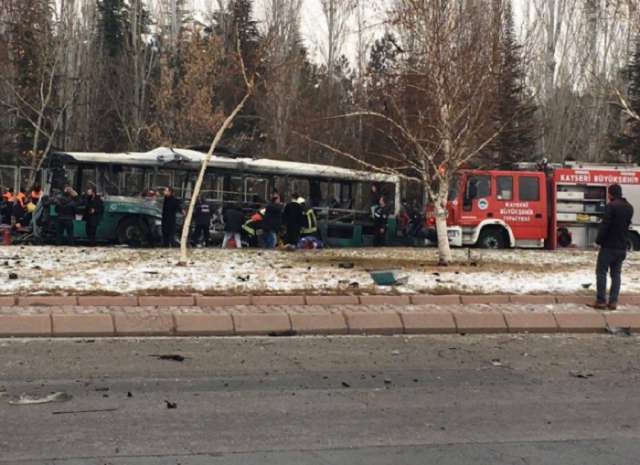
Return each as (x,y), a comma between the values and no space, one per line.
(445,400)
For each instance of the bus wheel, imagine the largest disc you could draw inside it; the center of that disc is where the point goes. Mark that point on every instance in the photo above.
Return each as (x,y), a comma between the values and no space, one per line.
(492,239)
(133,232)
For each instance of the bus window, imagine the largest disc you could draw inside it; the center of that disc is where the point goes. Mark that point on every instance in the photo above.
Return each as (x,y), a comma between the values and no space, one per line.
(210,189)
(255,188)
(133,181)
(108,180)
(7,177)
(162,178)
(233,190)
(87,179)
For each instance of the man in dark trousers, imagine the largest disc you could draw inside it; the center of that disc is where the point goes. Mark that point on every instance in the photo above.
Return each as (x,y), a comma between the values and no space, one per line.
(271,223)
(233,220)
(170,209)
(612,239)
(94,208)
(202,218)
(380,217)
(65,208)
(293,218)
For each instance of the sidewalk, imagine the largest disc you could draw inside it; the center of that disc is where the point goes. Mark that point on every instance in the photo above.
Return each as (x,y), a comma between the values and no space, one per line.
(97,316)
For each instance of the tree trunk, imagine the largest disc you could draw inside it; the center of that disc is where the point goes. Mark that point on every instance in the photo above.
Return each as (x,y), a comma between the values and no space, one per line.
(186,227)
(444,251)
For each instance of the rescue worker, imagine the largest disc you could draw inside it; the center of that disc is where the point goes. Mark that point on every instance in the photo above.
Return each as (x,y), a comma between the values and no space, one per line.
(293,218)
(612,239)
(21,198)
(36,194)
(374,198)
(6,207)
(253,227)
(202,218)
(271,223)
(18,213)
(65,208)
(8,194)
(309,220)
(170,209)
(233,224)
(94,209)
(380,217)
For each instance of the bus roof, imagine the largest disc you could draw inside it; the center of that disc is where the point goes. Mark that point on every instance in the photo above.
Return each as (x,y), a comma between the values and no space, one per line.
(191,160)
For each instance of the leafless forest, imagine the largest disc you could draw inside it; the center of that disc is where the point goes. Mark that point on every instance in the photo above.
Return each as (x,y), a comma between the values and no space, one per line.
(432,84)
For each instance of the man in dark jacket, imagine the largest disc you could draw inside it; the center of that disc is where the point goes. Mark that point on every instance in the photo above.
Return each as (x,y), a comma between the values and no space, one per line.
(170,209)
(202,218)
(380,217)
(94,209)
(612,239)
(65,208)
(233,220)
(293,217)
(271,223)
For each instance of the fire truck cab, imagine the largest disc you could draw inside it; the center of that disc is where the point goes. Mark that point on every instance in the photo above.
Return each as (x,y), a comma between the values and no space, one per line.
(497,209)
(550,205)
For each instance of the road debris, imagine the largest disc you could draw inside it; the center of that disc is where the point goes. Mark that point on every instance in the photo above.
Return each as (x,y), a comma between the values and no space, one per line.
(345,384)
(26,399)
(346,265)
(171,405)
(580,374)
(13,275)
(170,357)
(73,412)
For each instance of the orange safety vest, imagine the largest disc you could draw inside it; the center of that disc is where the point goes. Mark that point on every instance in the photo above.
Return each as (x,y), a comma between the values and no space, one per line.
(36,195)
(21,197)
(8,196)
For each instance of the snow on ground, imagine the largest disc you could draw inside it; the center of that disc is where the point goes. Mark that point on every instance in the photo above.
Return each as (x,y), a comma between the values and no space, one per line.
(116,270)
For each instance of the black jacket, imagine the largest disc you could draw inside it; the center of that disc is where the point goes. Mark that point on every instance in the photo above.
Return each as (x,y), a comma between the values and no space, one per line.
(612,233)
(65,207)
(233,220)
(202,214)
(93,203)
(380,216)
(170,209)
(293,215)
(272,218)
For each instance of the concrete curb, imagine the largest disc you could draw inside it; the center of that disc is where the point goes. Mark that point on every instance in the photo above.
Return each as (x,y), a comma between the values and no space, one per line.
(310,320)
(280,300)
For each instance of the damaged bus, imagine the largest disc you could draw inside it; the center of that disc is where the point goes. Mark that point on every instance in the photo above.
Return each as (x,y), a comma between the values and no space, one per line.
(339,196)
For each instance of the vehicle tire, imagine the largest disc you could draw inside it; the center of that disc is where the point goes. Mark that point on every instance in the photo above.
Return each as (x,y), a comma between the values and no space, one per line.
(564,238)
(492,239)
(133,232)
(633,241)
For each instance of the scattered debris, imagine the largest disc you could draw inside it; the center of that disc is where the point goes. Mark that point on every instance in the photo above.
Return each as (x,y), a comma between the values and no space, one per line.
(388,278)
(346,265)
(171,357)
(580,374)
(72,412)
(101,389)
(354,284)
(243,279)
(395,352)
(129,394)
(345,384)
(496,362)
(619,330)
(586,285)
(387,381)
(171,405)
(13,275)
(151,272)
(26,399)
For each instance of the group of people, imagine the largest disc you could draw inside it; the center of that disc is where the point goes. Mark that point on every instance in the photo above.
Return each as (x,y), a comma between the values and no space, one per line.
(68,204)
(16,209)
(293,224)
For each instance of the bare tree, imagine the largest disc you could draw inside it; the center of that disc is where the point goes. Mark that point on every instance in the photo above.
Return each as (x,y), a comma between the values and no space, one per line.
(249,82)
(437,115)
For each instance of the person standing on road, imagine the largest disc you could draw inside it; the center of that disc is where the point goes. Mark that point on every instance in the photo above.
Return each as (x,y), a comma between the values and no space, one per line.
(612,239)
(233,220)
(293,217)
(170,209)
(65,212)
(380,217)
(94,208)
(202,217)
(271,223)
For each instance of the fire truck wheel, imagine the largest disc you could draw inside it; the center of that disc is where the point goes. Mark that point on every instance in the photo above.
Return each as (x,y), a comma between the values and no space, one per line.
(492,238)
(633,241)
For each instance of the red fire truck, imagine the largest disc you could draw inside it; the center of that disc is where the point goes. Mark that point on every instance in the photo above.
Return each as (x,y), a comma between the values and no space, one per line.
(554,206)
